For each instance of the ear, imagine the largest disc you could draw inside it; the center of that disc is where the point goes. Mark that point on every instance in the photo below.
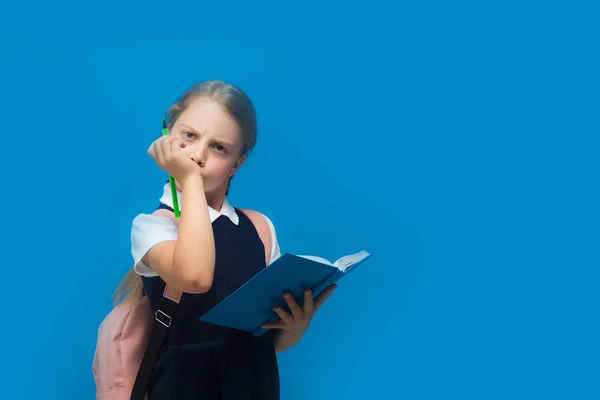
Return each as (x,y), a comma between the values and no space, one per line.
(237,165)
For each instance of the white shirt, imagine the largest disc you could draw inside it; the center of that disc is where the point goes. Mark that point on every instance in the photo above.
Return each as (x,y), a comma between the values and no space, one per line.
(148,230)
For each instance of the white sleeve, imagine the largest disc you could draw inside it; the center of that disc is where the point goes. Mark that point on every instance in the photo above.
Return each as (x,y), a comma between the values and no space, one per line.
(147,231)
(275,250)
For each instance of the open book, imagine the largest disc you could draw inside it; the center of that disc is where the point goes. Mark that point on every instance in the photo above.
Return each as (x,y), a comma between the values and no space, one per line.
(251,305)
(343,263)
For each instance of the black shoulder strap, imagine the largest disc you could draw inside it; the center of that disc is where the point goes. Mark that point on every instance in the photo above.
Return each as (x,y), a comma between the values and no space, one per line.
(162,323)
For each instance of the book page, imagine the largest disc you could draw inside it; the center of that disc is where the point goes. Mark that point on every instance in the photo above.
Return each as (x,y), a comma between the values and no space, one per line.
(318,259)
(347,261)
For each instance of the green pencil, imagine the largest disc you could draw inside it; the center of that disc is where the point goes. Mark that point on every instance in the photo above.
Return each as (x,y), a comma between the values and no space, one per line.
(165,132)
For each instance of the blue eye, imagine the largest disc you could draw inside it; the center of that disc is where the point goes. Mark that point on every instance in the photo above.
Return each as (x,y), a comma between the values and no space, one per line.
(220,148)
(189,135)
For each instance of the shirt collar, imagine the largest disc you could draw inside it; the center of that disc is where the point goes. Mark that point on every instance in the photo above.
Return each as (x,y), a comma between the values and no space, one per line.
(226,209)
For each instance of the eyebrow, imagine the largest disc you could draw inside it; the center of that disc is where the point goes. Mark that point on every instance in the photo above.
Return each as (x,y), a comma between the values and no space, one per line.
(191,128)
(197,131)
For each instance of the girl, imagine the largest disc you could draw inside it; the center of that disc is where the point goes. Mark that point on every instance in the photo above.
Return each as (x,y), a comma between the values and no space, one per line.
(213,251)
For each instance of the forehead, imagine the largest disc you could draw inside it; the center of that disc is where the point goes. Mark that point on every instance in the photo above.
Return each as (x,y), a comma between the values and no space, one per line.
(207,116)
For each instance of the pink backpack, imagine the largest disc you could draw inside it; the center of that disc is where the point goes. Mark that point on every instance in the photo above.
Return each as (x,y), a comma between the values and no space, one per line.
(130,337)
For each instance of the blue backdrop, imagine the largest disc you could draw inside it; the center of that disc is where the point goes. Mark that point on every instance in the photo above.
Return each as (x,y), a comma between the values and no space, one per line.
(456,142)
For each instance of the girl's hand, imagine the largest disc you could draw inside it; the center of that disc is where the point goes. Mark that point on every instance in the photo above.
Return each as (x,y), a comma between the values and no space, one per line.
(295,323)
(166,152)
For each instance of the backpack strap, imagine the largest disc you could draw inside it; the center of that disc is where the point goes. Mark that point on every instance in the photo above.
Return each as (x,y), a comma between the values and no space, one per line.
(162,323)
(170,301)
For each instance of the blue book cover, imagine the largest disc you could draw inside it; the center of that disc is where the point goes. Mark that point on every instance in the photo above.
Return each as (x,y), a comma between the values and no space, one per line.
(251,305)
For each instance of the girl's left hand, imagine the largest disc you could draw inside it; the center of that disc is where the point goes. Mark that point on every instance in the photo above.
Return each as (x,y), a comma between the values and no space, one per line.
(296,322)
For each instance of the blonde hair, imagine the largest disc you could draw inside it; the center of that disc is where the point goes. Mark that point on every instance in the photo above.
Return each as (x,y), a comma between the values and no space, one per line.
(239,106)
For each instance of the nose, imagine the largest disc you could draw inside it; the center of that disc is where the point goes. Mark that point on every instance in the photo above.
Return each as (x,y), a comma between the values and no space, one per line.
(199,154)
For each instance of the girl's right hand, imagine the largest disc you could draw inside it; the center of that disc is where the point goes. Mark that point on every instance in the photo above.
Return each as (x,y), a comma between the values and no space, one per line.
(166,152)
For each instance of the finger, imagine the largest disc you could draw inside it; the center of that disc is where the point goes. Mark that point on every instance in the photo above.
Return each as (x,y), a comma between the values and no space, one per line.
(274,325)
(294,307)
(308,301)
(176,146)
(160,158)
(320,299)
(165,145)
(151,151)
(285,316)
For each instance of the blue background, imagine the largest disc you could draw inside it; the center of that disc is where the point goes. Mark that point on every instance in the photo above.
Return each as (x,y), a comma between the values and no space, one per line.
(456,142)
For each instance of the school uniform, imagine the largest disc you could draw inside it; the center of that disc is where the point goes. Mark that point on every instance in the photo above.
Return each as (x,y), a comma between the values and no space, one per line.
(201,360)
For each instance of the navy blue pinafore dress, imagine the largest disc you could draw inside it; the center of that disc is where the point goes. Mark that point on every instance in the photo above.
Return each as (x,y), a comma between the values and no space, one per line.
(205,361)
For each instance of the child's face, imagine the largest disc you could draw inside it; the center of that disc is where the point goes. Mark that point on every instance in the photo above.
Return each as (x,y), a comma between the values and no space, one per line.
(212,139)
